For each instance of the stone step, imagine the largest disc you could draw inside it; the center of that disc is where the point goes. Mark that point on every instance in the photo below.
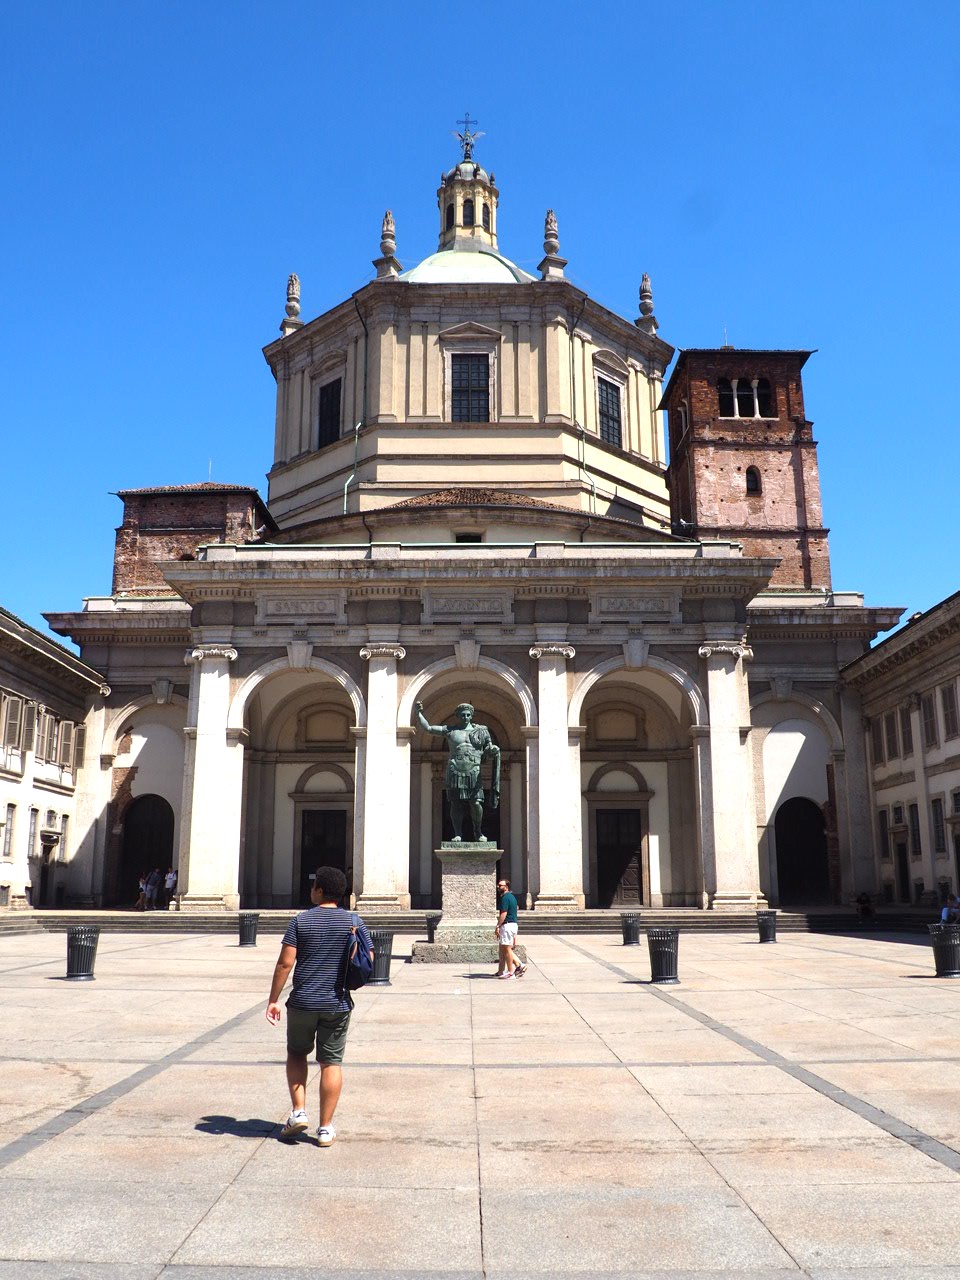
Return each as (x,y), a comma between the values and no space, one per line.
(273,922)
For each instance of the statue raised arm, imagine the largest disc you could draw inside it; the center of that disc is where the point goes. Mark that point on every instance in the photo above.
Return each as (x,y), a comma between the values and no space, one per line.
(469,745)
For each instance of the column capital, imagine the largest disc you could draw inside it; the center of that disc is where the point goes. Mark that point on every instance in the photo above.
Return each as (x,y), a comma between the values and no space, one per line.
(203,652)
(566,651)
(736,651)
(369,651)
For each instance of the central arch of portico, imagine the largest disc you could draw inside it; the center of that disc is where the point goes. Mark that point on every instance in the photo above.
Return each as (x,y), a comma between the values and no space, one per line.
(634,731)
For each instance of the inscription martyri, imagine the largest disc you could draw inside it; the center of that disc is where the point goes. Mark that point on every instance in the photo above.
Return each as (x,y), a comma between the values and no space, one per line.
(467,604)
(303,607)
(633,604)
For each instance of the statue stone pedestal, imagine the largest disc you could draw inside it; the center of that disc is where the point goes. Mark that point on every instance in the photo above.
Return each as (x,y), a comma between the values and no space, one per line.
(469,900)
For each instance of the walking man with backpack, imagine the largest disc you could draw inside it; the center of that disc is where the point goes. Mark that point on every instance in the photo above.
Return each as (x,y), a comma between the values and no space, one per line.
(315,947)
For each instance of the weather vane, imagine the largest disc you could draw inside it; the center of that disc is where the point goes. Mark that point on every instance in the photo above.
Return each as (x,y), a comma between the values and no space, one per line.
(467,138)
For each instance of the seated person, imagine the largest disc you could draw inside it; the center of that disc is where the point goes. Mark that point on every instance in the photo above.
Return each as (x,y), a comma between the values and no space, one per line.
(951,910)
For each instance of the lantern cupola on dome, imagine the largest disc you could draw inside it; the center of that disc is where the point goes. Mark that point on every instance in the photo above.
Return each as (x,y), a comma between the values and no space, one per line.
(467,198)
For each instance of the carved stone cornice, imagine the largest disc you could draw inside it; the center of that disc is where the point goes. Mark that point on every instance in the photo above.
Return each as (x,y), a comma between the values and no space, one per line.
(566,651)
(203,652)
(736,651)
(369,651)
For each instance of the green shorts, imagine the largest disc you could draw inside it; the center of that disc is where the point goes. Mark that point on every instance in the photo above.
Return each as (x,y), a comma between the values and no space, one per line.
(328,1029)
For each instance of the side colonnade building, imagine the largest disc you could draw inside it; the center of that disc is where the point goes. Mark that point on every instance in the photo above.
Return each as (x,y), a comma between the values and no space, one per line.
(470,499)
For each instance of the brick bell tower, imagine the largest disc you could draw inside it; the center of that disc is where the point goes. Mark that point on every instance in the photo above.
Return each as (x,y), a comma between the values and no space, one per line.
(743,461)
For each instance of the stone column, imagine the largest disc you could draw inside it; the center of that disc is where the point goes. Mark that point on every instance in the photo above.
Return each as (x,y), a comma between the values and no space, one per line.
(558,791)
(209,862)
(736,866)
(386,790)
(703,791)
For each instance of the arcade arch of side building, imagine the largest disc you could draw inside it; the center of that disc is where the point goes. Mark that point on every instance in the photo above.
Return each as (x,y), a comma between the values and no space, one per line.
(470,499)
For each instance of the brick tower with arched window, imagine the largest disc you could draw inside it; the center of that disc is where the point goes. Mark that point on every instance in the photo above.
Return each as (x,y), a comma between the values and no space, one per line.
(743,460)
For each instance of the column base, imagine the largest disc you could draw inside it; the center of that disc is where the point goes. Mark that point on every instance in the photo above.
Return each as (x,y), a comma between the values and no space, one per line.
(738,902)
(383,902)
(197,903)
(462,952)
(559,902)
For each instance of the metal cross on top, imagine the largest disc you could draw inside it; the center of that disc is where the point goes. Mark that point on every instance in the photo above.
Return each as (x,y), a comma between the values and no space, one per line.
(467,139)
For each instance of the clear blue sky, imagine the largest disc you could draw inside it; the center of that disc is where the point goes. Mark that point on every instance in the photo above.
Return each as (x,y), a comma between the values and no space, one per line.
(787,172)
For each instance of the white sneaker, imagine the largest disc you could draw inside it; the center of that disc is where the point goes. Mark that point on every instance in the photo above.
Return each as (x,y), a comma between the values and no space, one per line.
(326,1135)
(502,976)
(297,1122)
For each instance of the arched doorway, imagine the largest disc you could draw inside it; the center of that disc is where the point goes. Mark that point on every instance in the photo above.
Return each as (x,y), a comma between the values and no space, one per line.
(803,869)
(147,843)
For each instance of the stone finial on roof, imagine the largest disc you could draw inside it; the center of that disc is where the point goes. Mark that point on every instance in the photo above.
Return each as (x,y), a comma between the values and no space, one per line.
(551,234)
(388,235)
(388,268)
(551,268)
(647,321)
(292,320)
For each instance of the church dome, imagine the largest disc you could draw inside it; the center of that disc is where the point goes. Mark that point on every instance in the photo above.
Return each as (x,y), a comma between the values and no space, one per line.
(466,265)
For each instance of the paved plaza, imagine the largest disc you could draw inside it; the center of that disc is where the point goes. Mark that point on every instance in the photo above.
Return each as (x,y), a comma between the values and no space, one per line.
(787,1110)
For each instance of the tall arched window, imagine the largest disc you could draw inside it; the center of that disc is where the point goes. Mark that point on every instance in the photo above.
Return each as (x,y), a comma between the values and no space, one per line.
(765,405)
(449,217)
(468,213)
(753,480)
(725,397)
(486,217)
(744,398)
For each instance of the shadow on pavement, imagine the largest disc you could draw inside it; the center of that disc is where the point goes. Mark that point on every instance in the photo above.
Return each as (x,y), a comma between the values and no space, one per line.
(236,1128)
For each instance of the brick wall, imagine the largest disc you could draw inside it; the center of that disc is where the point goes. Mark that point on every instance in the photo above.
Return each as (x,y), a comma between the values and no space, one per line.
(170,524)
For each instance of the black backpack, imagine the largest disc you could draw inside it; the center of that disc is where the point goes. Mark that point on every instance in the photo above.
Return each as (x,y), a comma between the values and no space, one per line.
(357,965)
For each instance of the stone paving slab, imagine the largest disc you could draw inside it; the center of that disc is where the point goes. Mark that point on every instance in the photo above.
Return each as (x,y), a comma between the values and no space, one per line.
(785,1112)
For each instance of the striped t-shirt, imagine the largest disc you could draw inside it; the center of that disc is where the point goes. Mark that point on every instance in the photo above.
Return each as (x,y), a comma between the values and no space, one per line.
(320,936)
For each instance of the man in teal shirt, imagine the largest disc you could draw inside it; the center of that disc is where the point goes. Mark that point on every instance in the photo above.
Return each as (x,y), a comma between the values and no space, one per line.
(506,931)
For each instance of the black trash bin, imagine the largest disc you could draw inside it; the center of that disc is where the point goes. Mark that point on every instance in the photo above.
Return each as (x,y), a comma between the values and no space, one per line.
(767,924)
(631,930)
(382,940)
(945,939)
(248,928)
(82,942)
(433,919)
(663,945)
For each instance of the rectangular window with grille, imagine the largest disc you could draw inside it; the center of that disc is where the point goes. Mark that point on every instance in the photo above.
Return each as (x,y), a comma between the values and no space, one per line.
(8,831)
(470,387)
(32,833)
(928,713)
(328,413)
(916,850)
(890,733)
(608,409)
(62,846)
(948,703)
(906,731)
(939,826)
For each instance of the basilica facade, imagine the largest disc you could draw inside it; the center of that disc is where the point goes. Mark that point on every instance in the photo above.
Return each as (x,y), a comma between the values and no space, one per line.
(472,498)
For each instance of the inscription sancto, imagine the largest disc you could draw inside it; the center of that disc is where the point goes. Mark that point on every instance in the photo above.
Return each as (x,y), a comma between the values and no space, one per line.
(300,608)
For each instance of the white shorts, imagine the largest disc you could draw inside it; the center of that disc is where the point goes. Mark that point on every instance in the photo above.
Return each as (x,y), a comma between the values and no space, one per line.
(508,934)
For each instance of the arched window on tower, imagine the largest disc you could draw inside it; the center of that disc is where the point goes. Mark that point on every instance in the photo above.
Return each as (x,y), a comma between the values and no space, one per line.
(744,398)
(468,220)
(765,406)
(725,397)
(753,480)
(450,215)
(486,217)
